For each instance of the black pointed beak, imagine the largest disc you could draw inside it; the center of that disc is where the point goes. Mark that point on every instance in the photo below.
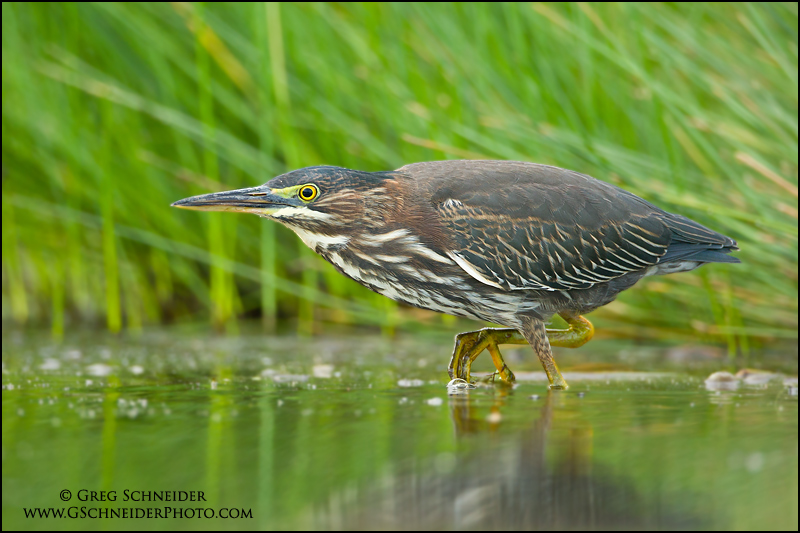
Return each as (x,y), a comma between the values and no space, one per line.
(259,200)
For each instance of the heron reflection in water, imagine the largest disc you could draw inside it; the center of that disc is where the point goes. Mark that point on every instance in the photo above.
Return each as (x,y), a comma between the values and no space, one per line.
(543,476)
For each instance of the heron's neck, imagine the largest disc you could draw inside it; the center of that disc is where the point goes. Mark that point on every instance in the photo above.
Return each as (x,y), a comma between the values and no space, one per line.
(320,242)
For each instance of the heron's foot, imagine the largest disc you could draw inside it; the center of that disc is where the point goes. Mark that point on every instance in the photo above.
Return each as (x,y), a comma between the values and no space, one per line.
(470,345)
(502,372)
(496,379)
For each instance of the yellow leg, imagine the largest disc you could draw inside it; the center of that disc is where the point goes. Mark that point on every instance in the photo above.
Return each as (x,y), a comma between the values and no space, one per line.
(494,338)
(536,334)
(503,371)
(579,333)
(469,346)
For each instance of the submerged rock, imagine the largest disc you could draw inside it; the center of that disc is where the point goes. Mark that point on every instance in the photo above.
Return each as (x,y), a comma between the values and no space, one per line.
(719,381)
(751,376)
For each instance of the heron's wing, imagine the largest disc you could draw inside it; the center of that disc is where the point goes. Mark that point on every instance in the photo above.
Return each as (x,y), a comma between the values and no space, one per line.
(538,251)
(526,226)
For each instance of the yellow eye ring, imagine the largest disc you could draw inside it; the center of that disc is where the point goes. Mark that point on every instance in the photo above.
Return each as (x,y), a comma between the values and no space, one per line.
(308,192)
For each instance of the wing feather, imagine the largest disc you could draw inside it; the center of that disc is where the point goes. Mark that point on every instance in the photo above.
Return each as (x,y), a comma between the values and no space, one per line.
(522,225)
(526,254)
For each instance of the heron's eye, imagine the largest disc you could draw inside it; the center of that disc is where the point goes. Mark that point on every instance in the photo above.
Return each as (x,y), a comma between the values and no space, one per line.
(308,192)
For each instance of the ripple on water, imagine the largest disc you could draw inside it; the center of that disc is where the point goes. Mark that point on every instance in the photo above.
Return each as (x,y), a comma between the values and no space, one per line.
(359,434)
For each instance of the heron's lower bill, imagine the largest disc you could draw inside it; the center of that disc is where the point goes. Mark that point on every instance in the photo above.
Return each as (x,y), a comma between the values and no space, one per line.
(258,200)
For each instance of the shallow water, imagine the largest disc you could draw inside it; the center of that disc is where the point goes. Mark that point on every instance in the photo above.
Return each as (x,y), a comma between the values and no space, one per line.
(360,432)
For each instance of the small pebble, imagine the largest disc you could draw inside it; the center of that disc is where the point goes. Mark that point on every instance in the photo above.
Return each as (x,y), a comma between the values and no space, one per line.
(322,371)
(99,370)
(719,381)
(50,364)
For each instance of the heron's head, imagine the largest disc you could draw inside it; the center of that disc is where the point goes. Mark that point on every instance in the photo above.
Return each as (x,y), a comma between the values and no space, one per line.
(327,202)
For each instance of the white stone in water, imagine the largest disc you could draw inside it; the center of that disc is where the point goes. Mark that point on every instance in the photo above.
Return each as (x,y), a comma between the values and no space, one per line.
(435,402)
(50,364)
(755,377)
(322,371)
(99,370)
(410,383)
(289,378)
(719,381)
(721,376)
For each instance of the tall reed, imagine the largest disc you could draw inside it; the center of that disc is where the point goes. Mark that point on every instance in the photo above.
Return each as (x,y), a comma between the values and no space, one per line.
(113,111)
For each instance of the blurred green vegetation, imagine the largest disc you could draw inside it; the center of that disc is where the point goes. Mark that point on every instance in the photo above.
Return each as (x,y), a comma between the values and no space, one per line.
(113,111)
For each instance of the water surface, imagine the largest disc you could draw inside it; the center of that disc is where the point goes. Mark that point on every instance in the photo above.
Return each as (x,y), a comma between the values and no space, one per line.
(360,432)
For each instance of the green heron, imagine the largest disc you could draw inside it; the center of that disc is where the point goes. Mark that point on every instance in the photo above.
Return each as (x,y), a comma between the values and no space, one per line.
(506,242)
